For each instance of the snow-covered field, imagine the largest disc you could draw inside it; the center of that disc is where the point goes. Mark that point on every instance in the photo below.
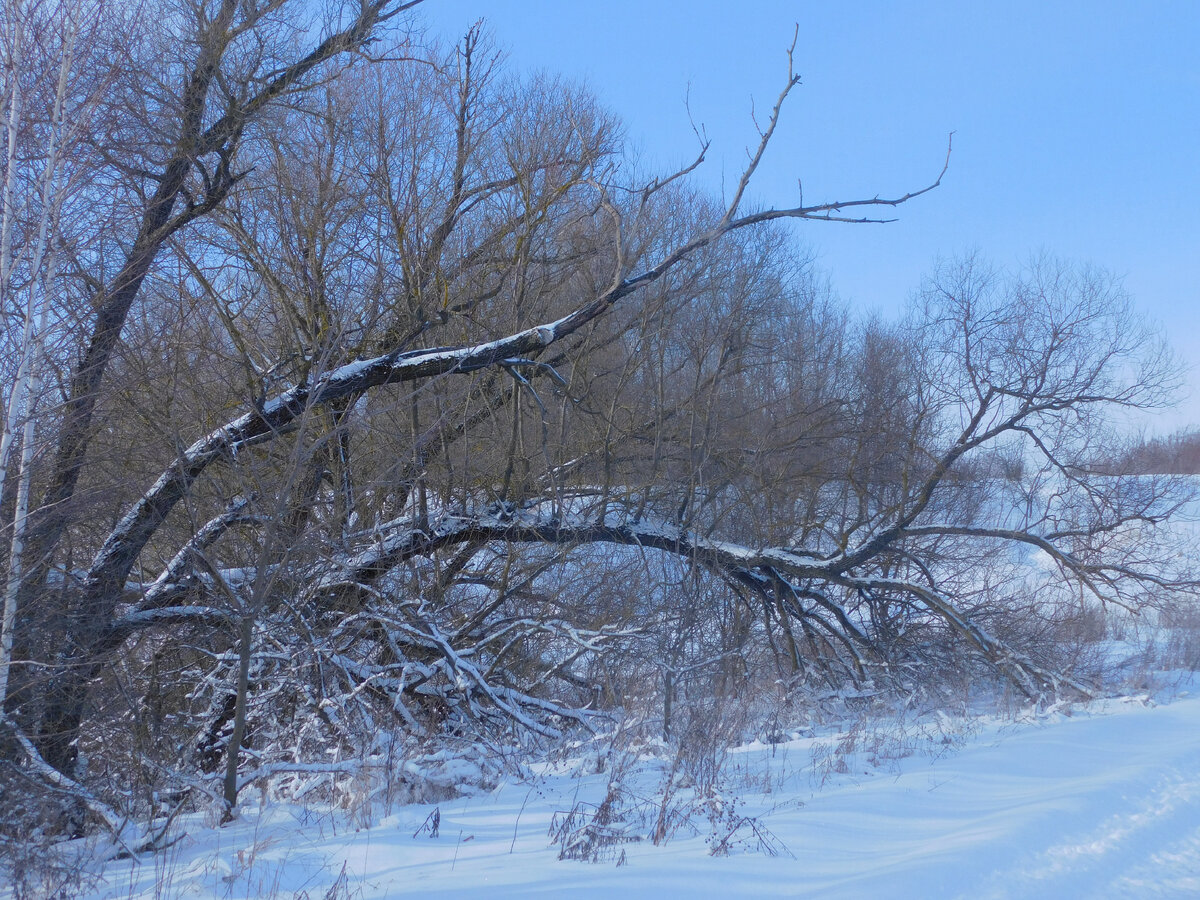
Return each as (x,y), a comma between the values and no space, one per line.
(1097,801)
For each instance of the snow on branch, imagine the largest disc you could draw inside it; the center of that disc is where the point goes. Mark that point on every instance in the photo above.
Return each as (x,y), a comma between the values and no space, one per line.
(120,551)
(792,574)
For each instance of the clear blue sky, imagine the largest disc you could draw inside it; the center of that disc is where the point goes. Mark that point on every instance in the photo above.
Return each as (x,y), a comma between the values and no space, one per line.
(1077,125)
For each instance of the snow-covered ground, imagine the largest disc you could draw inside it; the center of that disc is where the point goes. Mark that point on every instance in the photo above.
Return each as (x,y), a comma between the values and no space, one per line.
(1102,801)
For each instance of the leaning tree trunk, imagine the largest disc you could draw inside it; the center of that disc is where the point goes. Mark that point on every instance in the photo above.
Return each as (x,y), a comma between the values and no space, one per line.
(81,624)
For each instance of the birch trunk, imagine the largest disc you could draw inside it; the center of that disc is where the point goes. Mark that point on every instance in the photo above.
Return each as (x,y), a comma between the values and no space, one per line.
(22,402)
(7,216)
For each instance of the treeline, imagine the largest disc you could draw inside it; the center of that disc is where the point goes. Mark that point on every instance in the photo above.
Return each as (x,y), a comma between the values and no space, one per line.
(1176,454)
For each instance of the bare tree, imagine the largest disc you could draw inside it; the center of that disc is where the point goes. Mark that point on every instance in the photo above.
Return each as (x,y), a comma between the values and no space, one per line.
(49,99)
(176,125)
(489,412)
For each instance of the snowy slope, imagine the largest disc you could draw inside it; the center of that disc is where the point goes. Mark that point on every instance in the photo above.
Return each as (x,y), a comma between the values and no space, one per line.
(1102,803)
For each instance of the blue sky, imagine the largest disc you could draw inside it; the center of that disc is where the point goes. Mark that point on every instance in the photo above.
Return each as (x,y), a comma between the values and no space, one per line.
(1077,125)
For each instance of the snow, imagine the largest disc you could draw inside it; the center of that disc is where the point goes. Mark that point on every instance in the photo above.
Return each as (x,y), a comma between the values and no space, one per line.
(1096,801)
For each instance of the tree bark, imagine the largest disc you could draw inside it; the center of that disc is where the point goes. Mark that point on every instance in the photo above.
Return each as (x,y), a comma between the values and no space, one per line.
(82,624)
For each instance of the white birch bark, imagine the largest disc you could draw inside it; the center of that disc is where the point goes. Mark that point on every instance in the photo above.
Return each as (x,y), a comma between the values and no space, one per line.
(12,68)
(23,400)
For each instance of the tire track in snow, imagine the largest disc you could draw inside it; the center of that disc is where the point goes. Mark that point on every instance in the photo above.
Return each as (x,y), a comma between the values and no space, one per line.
(1173,872)
(1150,850)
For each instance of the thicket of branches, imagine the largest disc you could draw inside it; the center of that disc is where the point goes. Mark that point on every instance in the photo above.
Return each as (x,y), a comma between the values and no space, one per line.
(362,397)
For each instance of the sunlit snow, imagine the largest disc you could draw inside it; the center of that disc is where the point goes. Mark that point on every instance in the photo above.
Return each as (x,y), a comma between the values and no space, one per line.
(1097,801)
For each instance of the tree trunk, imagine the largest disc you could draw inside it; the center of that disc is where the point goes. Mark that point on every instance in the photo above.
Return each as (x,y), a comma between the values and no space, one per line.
(233,752)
